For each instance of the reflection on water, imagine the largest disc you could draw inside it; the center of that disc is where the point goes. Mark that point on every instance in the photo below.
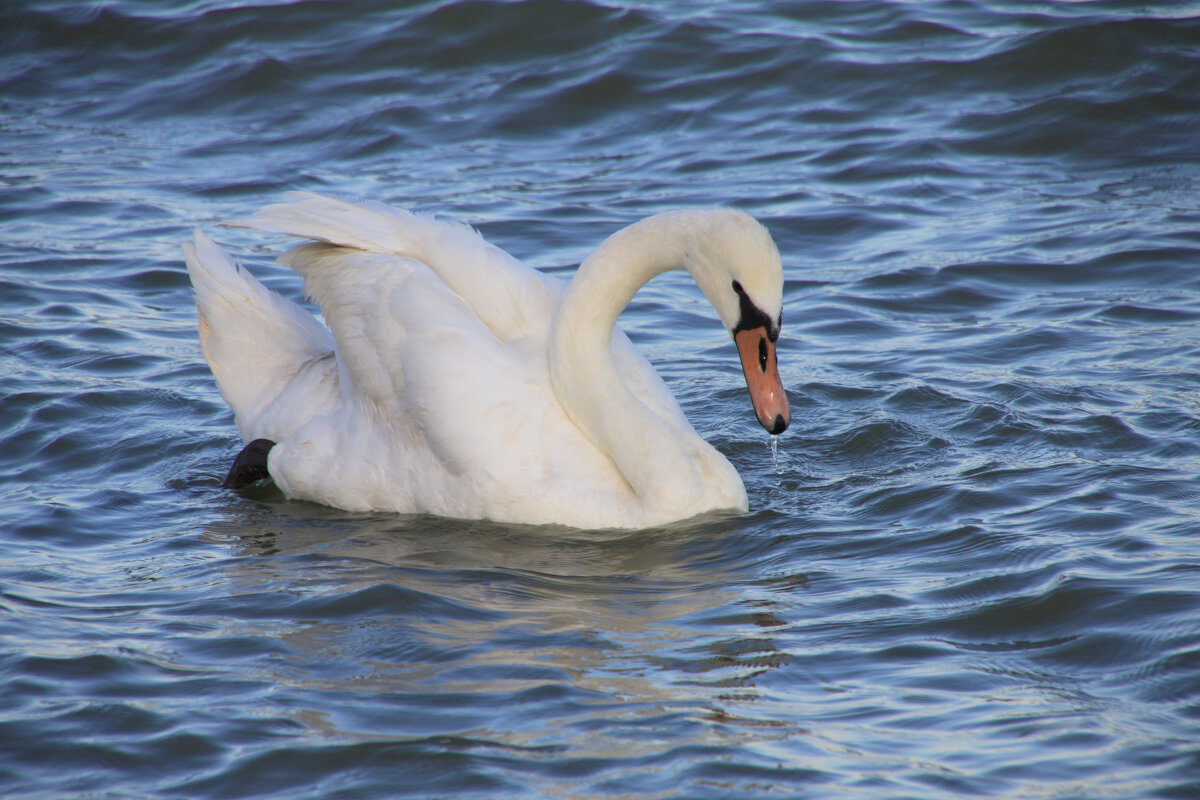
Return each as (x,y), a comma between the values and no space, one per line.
(598,628)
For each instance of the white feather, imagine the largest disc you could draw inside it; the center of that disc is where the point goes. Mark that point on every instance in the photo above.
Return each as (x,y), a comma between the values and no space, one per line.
(434,388)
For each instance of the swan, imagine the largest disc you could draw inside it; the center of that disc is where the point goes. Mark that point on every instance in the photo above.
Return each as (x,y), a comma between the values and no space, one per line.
(450,379)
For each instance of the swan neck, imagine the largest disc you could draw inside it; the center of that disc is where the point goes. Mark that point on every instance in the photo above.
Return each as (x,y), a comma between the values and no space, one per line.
(601,289)
(657,458)
(609,278)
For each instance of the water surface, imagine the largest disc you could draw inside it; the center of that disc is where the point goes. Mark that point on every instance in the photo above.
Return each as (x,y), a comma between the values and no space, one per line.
(972,568)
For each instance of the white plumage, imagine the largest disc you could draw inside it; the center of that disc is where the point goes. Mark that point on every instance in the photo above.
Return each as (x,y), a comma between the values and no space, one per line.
(453,380)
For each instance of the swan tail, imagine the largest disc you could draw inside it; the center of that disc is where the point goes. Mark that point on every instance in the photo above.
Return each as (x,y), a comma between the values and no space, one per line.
(255,340)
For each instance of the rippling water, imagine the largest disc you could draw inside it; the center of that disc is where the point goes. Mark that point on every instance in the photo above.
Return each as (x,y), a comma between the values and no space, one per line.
(974,568)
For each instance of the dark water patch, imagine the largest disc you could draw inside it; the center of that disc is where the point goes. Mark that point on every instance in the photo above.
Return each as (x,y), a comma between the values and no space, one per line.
(112,677)
(1140,314)
(943,300)
(1037,131)
(851,330)
(1067,54)
(416,768)
(839,395)
(935,503)
(977,591)
(471,35)
(1115,435)
(1023,346)
(921,34)
(372,601)
(1048,617)
(925,400)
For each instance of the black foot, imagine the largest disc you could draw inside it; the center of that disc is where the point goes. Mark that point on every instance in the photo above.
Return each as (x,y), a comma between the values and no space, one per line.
(250,465)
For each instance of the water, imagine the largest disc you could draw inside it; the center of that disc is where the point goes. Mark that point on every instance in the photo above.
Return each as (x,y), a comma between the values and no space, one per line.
(972,569)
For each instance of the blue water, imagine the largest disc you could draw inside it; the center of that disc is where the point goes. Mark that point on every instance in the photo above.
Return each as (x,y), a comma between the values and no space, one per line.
(973,568)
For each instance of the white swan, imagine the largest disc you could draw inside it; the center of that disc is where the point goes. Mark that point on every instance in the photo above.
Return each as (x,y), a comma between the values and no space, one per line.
(455,381)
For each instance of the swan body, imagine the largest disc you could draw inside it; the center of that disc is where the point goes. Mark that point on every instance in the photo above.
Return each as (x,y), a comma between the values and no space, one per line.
(450,379)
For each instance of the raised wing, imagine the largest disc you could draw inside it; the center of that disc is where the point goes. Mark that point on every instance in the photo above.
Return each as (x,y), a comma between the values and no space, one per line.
(511,299)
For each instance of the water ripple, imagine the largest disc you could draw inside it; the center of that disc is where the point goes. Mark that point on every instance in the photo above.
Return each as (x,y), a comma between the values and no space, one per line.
(970,567)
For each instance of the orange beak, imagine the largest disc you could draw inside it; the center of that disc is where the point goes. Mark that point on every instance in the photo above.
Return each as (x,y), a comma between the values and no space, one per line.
(762,379)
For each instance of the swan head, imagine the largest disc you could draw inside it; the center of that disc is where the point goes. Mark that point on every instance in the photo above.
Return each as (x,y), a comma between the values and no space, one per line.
(734,260)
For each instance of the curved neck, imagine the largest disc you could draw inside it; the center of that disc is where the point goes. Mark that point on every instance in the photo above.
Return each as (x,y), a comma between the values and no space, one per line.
(661,462)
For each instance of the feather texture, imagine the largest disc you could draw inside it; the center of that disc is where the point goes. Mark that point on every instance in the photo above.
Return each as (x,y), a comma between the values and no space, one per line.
(433,387)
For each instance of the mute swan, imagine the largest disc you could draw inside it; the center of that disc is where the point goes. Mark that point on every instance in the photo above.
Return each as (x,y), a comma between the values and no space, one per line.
(453,380)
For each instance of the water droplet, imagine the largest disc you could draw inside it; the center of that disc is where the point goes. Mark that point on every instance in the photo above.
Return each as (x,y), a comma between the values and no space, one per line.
(775,454)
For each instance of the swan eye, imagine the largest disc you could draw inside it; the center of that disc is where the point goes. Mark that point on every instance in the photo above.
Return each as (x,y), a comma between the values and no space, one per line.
(751,316)
(762,354)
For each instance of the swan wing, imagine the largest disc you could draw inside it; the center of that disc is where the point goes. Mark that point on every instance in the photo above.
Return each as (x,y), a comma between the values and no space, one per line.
(513,301)
(410,345)
(508,297)
(357,292)
(456,421)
